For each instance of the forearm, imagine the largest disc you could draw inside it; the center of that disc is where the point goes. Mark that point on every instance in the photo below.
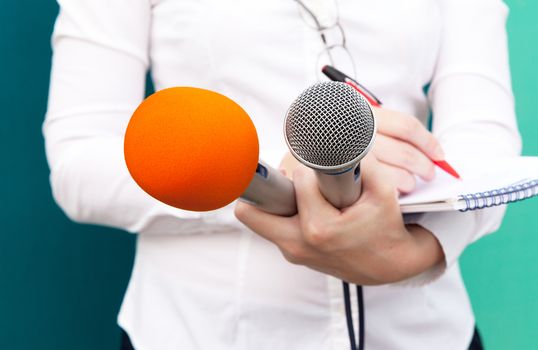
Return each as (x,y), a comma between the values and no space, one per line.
(473,113)
(91,184)
(98,77)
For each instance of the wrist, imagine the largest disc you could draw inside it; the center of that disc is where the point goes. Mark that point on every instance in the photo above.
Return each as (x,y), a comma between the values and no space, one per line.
(411,251)
(425,252)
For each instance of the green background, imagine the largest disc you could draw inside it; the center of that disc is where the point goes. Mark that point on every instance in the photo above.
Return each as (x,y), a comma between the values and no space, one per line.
(61,284)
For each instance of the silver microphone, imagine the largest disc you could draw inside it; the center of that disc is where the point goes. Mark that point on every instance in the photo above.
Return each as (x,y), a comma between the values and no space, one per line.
(330,127)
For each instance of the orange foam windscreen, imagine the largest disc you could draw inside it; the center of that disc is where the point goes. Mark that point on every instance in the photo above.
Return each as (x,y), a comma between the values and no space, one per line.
(191,148)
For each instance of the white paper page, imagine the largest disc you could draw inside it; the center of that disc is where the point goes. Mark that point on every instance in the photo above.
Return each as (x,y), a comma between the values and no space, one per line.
(477,175)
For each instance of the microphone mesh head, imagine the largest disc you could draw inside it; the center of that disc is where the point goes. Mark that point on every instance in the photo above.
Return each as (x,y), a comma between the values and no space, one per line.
(330,125)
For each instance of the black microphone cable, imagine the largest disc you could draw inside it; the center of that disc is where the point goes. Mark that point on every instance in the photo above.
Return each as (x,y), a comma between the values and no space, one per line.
(360,305)
(349,318)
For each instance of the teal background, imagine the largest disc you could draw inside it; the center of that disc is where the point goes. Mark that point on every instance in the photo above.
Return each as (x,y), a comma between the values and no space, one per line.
(61,283)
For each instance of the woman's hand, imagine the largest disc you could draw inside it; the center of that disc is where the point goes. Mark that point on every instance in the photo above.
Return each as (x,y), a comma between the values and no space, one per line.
(405,148)
(366,243)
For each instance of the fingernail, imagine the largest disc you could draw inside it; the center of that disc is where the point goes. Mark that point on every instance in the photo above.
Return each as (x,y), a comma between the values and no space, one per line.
(438,154)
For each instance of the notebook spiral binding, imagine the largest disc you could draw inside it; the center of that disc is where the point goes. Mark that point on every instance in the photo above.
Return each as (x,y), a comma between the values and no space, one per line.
(500,196)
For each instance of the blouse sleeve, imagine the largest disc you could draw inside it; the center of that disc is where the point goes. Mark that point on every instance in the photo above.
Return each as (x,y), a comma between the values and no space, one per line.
(98,76)
(473,111)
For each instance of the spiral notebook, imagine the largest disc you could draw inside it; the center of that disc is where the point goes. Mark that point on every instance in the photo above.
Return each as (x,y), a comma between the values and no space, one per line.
(484,183)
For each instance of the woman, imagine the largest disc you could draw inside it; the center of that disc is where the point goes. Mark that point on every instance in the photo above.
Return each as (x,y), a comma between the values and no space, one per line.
(203,280)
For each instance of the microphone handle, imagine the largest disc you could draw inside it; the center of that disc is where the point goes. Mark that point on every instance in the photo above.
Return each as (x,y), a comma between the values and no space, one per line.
(271,191)
(341,190)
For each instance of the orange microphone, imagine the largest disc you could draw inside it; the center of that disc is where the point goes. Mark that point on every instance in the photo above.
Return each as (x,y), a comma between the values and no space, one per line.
(198,150)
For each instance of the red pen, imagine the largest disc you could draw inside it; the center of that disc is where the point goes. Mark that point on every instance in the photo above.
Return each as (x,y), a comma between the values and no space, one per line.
(336,75)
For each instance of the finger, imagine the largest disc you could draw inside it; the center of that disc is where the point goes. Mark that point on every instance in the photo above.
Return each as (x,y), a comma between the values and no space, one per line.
(377,187)
(288,164)
(403,155)
(403,180)
(375,179)
(409,129)
(277,229)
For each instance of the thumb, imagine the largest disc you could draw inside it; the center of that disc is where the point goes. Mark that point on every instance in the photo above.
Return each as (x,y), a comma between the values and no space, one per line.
(375,181)
(311,204)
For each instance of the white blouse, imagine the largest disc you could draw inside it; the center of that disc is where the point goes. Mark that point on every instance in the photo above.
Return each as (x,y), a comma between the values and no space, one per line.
(202,280)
